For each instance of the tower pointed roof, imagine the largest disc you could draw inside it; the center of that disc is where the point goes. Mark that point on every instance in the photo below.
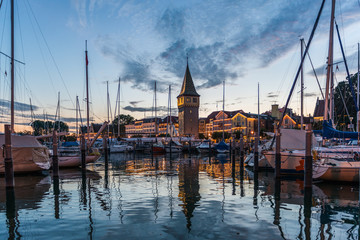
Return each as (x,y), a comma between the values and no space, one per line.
(188,88)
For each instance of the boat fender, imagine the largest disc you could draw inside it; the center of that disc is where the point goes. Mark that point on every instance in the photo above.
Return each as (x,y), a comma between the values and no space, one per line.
(315,155)
(356,156)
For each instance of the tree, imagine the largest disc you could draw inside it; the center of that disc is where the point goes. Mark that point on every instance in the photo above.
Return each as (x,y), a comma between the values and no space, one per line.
(40,127)
(219,135)
(343,90)
(201,136)
(124,120)
(70,138)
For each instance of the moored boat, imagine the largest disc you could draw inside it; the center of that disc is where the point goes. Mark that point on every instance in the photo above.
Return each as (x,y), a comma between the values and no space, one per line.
(340,170)
(27,153)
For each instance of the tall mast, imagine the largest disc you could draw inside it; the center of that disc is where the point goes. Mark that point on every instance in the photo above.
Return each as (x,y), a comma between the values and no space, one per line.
(119,97)
(108,107)
(223,134)
(258,135)
(87,93)
(76,126)
(12,67)
(155,111)
(170,125)
(59,111)
(358,85)
(329,64)
(302,84)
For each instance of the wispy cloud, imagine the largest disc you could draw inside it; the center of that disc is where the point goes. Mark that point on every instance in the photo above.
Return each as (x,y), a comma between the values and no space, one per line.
(272,95)
(222,39)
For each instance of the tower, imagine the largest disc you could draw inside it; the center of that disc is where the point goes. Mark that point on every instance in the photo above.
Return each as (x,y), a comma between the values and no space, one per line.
(188,105)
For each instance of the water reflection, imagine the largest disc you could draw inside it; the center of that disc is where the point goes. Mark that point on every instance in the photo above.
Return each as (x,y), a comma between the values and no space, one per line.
(174,197)
(189,188)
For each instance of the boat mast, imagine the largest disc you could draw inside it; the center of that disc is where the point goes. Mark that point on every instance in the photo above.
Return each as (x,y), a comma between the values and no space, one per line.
(76,126)
(329,66)
(87,93)
(119,109)
(223,133)
(358,85)
(108,108)
(12,68)
(302,84)
(155,112)
(59,111)
(258,134)
(170,125)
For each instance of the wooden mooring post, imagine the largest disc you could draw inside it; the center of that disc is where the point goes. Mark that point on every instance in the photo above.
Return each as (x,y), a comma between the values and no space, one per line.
(308,157)
(83,152)
(9,169)
(277,154)
(55,159)
(105,147)
(241,152)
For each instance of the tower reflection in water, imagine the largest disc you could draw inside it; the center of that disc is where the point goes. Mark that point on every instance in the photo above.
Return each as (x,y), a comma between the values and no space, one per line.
(189,188)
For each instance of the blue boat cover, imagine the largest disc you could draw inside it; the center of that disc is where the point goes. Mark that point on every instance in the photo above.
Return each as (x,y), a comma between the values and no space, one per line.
(70,144)
(222,146)
(329,132)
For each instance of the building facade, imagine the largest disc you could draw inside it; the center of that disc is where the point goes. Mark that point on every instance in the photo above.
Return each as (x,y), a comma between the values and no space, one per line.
(188,103)
(150,127)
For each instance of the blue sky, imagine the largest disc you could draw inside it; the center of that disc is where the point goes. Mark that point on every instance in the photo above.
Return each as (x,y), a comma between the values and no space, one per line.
(241,42)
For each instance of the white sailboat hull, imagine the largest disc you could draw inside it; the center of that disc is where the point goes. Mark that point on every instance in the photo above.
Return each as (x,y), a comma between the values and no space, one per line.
(75,161)
(336,170)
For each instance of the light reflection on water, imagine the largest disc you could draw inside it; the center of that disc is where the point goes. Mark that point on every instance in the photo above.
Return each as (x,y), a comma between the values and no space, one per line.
(177,197)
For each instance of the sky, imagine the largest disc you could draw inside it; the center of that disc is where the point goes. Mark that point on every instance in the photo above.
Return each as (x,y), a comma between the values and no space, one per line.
(244,43)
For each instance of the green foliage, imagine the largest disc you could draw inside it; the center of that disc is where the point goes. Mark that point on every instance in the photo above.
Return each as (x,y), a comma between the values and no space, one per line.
(70,138)
(40,127)
(219,135)
(340,115)
(137,136)
(124,120)
(317,125)
(164,135)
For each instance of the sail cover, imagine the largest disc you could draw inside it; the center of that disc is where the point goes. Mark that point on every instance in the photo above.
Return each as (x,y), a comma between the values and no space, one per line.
(222,146)
(329,132)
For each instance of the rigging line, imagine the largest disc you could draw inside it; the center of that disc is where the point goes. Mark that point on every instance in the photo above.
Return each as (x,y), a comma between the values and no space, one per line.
(317,79)
(2,53)
(3,29)
(52,57)
(42,55)
(301,64)
(343,100)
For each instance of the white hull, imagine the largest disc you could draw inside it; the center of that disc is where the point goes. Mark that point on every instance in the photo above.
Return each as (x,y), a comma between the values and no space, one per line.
(75,161)
(120,148)
(336,170)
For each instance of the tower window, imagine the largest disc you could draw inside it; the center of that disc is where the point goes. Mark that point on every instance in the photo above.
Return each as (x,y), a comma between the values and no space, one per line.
(190,111)
(195,100)
(188,99)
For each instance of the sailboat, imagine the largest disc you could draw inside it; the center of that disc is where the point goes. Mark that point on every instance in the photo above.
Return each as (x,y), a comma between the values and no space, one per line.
(28,154)
(222,147)
(172,146)
(118,146)
(73,158)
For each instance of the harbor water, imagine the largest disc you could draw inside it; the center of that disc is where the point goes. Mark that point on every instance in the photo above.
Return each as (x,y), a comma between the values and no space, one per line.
(136,196)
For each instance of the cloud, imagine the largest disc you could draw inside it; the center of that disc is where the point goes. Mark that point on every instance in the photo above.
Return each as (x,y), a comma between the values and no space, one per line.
(272,95)
(222,39)
(18,106)
(135,103)
(313,94)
